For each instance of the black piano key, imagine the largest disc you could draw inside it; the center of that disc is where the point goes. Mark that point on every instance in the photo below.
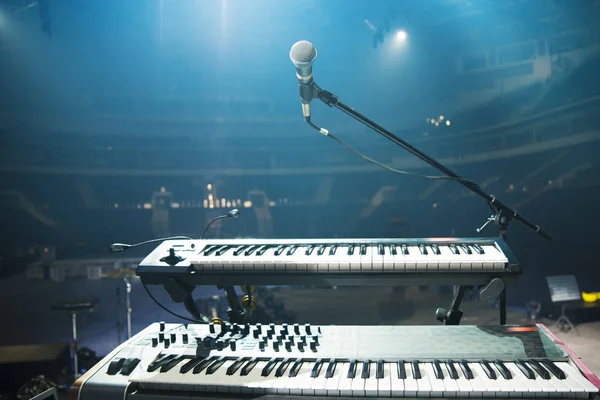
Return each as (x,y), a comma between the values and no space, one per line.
(282,367)
(453,249)
(451,369)
(223,250)
(251,250)
(330,368)
(363,249)
(350,249)
(478,248)
(503,370)
(209,250)
(240,250)
(528,372)
(437,369)
(557,372)
(212,368)
(309,250)
(466,249)
(379,369)
(295,368)
(171,363)
(539,369)
(237,364)
(404,249)
(415,369)
(436,249)
(332,250)
(262,250)
(201,366)
(291,250)
(381,249)
(401,370)
(159,361)
(185,368)
(466,369)
(280,249)
(270,366)
(487,368)
(249,366)
(321,250)
(352,369)
(393,250)
(423,249)
(366,370)
(316,368)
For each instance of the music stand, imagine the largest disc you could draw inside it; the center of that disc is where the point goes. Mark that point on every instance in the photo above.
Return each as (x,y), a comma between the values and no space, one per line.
(564,289)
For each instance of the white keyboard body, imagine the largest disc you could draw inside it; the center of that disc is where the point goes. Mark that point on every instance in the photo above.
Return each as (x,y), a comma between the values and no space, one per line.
(344,361)
(331,262)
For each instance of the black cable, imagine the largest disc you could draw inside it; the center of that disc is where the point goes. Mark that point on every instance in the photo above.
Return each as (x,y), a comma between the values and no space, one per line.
(387,167)
(169,311)
(116,247)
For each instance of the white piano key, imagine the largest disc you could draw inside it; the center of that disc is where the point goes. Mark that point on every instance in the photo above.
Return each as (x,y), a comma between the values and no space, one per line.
(398,385)
(574,375)
(295,384)
(318,383)
(281,384)
(268,259)
(305,380)
(384,385)
(465,389)
(450,385)
(411,384)
(366,260)
(371,381)
(354,260)
(493,388)
(257,383)
(399,260)
(358,383)
(437,385)
(521,384)
(332,384)
(219,380)
(345,384)
(378,260)
(299,258)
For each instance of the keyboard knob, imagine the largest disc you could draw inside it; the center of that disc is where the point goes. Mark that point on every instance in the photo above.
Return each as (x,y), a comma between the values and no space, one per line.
(232,345)
(154,341)
(276,346)
(284,328)
(288,346)
(223,327)
(211,327)
(255,333)
(297,329)
(313,346)
(162,326)
(261,346)
(185,337)
(234,328)
(307,329)
(291,339)
(301,346)
(167,343)
(161,337)
(173,337)
(246,330)
(315,339)
(220,345)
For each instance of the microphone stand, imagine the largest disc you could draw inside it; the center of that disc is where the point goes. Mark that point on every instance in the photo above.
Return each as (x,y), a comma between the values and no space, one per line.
(501,214)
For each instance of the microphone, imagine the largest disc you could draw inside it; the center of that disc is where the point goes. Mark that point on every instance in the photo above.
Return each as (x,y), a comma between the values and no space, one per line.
(232,214)
(303,54)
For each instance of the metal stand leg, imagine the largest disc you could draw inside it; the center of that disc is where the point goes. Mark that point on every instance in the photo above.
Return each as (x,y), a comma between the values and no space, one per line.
(564,323)
(74,346)
(128,303)
(503,307)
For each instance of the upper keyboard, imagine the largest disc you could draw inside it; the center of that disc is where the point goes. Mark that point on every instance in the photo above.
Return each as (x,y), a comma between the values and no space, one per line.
(331,262)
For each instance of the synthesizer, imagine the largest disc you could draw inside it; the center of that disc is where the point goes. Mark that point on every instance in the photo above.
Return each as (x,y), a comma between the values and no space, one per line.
(331,262)
(308,361)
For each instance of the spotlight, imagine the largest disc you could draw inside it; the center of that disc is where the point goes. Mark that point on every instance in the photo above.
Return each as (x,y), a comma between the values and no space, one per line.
(401,35)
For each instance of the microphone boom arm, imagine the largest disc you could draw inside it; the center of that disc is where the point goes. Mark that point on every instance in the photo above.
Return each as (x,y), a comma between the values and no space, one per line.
(502,213)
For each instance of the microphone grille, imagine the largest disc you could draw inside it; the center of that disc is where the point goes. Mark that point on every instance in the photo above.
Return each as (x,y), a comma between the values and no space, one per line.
(302,53)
